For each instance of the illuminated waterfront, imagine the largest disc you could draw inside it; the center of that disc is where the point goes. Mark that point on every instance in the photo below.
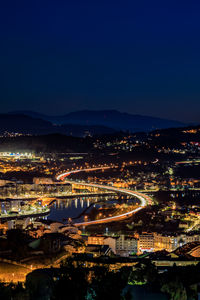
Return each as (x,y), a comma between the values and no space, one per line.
(76,207)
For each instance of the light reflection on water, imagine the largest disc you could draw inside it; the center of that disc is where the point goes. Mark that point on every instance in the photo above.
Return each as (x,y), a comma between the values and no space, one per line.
(62,209)
(72,208)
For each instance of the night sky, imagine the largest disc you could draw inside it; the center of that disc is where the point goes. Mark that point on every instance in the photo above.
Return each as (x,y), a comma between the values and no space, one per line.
(141,57)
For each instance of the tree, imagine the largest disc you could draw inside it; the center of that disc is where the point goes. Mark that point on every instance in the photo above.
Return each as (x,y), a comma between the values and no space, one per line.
(175,289)
(73,281)
(40,284)
(144,273)
(128,295)
(107,284)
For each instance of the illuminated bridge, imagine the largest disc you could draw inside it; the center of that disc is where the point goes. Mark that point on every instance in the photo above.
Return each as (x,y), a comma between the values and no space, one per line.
(144,199)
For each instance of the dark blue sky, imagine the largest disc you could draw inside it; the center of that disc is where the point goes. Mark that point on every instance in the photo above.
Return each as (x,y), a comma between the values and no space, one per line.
(136,56)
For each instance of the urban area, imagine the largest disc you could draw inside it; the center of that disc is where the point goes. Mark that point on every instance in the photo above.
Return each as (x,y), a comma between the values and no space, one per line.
(120,209)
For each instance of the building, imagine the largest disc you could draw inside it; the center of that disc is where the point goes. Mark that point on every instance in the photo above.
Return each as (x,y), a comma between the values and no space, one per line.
(32,190)
(189,250)
(191,238)
(42,180)
(111,242)
(152,242)
(51,243)
(165,242)
(96,240)
(121,245)
(126,245)
(98,250)
(146,242)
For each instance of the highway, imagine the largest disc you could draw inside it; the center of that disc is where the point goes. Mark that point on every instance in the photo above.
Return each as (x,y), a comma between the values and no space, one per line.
(144,199)
(63,175)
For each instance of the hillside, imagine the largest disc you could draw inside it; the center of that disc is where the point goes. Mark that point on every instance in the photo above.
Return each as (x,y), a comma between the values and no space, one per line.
(19,123)
(110,119)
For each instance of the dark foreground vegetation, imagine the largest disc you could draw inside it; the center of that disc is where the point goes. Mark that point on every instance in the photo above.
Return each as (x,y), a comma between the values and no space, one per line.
(77,282)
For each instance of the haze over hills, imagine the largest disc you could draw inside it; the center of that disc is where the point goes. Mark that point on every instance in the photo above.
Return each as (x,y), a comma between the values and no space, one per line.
(111,119)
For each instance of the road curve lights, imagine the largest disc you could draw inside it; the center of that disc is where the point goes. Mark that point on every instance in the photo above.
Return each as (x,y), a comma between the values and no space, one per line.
(144,199)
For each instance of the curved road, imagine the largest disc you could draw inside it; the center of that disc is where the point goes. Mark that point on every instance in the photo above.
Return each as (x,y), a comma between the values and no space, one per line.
(144,199)
(63,175)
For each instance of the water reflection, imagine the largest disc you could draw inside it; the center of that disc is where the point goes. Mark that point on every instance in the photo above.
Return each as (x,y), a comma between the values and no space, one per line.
(62,209)
(74,207)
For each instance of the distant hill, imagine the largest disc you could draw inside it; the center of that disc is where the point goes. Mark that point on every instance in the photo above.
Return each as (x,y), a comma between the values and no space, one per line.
(24,124)
(176,136)
(21,123)
(120,121)
(110,119)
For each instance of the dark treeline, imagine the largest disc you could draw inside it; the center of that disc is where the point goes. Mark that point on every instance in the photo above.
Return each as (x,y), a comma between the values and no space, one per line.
(75,281)
(45,143)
